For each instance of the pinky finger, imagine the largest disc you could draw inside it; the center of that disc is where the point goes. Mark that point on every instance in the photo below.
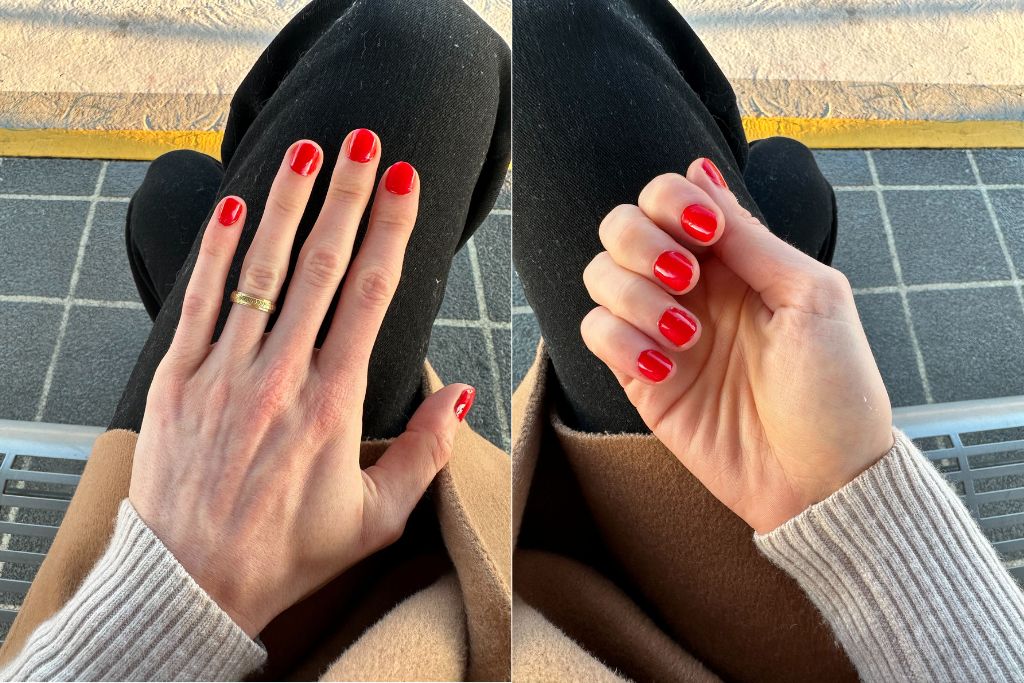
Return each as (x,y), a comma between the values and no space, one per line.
(204,294)
(627,351)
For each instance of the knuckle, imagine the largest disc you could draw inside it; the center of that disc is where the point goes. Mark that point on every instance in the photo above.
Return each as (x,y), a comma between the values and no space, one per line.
(592,277)
(612,221)
(276,386)
(438,447)
(394,530)
(286,203)
(346,192)
(209,251)
(589,324)
(195,305)
(262,277)
(825,290)
(656,190)
(376,285)
(390,223)
(322,267)
(628,293)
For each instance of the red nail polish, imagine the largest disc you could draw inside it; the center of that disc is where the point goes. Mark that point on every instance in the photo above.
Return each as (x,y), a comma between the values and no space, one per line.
(713,173)
(305,158)
(400,178)
(464,403)
(699,223)
(674,269)
(677,325)
(654,365)
(230,210)
(363,146)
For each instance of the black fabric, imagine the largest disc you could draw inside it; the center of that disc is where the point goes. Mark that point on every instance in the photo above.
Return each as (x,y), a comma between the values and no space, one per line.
(430,78)
(607,96)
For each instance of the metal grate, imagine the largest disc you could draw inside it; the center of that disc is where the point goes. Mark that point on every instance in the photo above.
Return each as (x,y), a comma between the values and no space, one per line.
(977,445)
(40,468)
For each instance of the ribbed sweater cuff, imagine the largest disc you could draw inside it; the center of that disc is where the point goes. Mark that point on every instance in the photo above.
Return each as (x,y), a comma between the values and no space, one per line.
(909,584)
(137,616)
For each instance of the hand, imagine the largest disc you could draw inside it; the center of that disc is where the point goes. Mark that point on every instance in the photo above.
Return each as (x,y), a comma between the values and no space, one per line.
(744,356)
(247,462)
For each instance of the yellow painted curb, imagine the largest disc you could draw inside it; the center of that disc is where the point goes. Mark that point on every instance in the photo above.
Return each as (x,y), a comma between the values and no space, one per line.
(817,133)
(872,133)
(144,145)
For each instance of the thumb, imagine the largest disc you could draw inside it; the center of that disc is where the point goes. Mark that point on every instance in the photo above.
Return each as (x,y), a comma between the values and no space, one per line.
(768,264)
(395,484)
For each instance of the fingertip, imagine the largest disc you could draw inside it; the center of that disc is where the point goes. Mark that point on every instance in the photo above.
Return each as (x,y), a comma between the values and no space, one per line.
(230,211)
(654,367)
(464,402)
(304,157)
(362,145)
(400,178)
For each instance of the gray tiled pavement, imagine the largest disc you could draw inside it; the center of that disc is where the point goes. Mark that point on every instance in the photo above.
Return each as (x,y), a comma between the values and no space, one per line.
(71,323)
(933,244)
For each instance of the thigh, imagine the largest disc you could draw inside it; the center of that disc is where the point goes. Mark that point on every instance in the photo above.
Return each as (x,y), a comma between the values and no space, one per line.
(433,84)
(165,216)
(797,202)
(607,96)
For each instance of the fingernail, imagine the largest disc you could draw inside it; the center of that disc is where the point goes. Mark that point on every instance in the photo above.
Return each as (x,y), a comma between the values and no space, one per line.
(400,178)
(713,173)
(654,365)
(363,146)
(677,325)
(674,269)
(464,403)
(230,210)
(305,158)
(699,222)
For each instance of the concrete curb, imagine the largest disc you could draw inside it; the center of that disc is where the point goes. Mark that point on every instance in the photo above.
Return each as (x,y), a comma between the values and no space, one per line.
(131,79)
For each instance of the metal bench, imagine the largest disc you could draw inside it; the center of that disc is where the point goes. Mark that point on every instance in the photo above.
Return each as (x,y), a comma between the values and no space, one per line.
(977,445)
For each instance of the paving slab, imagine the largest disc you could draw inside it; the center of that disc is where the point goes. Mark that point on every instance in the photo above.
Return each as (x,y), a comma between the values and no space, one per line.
(39,233)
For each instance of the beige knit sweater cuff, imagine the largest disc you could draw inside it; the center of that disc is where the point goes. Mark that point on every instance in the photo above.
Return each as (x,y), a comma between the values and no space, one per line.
(137,616)
(906,579)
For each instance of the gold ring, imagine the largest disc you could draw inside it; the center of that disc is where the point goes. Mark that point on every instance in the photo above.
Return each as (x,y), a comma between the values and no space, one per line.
(265,305)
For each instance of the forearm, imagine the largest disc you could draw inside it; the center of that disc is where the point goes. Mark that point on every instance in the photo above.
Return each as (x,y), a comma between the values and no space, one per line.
(137,616)
(909,584)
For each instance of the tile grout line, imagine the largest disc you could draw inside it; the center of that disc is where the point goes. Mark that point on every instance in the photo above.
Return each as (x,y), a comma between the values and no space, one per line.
(481,302)
(1000,238)
(65,198)
(898,270)
(924,188)
(62,330)
(478,324)
(938,287)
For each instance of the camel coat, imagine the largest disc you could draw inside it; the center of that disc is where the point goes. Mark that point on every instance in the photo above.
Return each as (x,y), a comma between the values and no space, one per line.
(627,567)
(434,606)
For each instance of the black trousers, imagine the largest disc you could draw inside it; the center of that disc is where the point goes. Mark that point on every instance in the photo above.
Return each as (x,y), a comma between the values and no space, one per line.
(607,96)
(430,78)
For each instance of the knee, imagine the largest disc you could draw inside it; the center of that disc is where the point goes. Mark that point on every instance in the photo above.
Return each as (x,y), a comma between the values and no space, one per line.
(171,173)
(414,27)
(172,180)
(782,151)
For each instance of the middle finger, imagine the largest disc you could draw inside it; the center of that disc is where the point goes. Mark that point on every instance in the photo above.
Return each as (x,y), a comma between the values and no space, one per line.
(327,251)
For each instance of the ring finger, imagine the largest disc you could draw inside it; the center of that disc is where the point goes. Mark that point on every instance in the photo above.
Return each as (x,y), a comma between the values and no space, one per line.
(641,303)
(266,262)
(627,351)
